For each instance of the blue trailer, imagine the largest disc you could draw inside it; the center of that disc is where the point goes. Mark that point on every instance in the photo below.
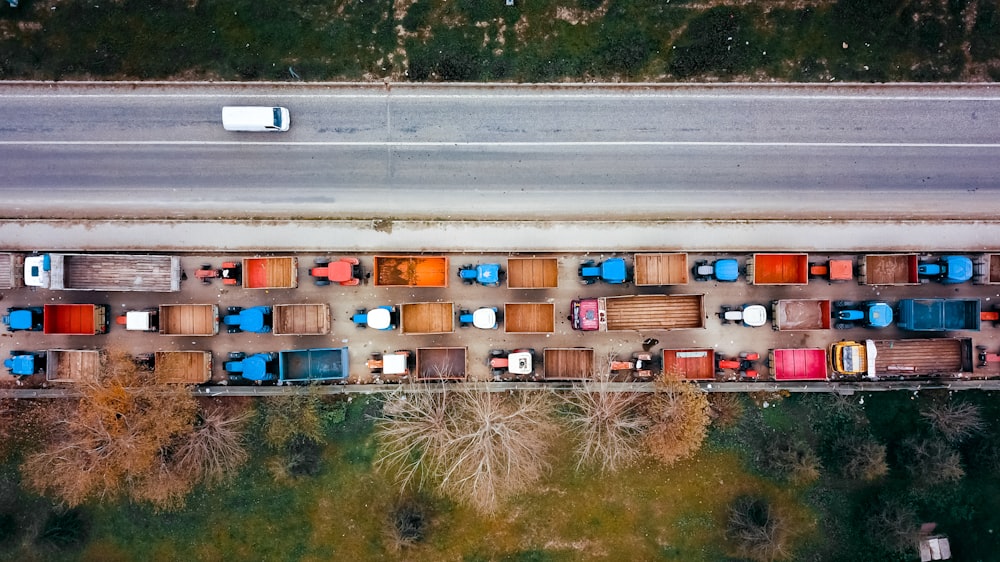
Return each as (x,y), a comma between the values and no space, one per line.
(311,365)
(939,315)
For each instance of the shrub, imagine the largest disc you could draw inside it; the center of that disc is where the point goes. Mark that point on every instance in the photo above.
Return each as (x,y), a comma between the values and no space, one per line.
(757,529)
(678,414)
(865,459)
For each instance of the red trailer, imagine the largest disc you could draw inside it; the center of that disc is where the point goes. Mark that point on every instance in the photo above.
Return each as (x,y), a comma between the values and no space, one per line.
(798,364)
(75,319)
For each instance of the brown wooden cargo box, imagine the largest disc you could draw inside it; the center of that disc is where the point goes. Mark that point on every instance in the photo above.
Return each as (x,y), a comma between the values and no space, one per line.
(427,318)
(568,364)
(529,318)
(532,273)
(441,363)
(661,269)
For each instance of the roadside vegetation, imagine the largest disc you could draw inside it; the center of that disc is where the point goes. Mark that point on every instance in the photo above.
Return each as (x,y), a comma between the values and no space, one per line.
(804,477)
(479,40)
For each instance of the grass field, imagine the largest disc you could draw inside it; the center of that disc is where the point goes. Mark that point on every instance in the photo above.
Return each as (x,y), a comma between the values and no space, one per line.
(342,509)
(476,40)
(645,513)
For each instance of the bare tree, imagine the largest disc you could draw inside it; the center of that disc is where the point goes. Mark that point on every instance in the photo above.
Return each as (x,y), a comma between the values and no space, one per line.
(955,420)
(932,461)
(478,446)
(678,414)
(866,459)
(215,448)
(725,408)
(609,424)
(793,459)
(413,433)
(757,529)
(895,527)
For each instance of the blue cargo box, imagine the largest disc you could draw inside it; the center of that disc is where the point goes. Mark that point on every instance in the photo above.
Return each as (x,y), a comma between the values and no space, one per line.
(307,365)
(939,315)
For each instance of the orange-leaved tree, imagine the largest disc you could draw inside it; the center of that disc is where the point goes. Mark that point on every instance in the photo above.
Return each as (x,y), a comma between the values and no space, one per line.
(131,437)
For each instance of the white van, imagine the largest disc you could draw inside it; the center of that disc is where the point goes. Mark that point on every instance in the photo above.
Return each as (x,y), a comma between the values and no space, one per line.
(255,119)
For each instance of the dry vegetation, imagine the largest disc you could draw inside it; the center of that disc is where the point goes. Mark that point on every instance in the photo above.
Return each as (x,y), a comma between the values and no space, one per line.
(476,446)
(866,460)
(130,437)
(757,529)
(609,425)
(956,421)
(679,416)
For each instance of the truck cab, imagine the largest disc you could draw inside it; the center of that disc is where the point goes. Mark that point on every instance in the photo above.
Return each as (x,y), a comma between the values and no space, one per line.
(947,270)
(853,359)
(139,320)
(36,270)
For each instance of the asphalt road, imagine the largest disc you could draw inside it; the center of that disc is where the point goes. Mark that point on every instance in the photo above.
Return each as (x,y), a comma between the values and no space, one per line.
(504,152)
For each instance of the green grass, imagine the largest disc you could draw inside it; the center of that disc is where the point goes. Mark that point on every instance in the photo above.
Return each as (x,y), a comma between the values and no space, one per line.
(647,512)
(474,40)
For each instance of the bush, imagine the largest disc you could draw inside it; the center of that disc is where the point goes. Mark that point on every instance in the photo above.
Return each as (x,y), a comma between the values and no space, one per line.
(725,408)
(792,459)
(678,414)
(65,530)
(417,15)
(757,529)
(409,520)
(865,459)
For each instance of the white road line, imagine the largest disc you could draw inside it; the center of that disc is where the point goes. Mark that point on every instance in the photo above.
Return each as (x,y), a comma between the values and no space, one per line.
(515,144)
(517,96)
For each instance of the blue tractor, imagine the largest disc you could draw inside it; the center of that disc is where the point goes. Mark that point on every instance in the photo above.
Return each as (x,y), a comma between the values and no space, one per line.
(947,270)
(486,274)
(612,270)
(870,314)
(25,363)
(258,368)
(380,318)
(256,319)
(27,319)
(726,270)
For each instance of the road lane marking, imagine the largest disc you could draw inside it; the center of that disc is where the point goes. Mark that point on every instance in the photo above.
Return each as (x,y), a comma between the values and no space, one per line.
(502,144)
